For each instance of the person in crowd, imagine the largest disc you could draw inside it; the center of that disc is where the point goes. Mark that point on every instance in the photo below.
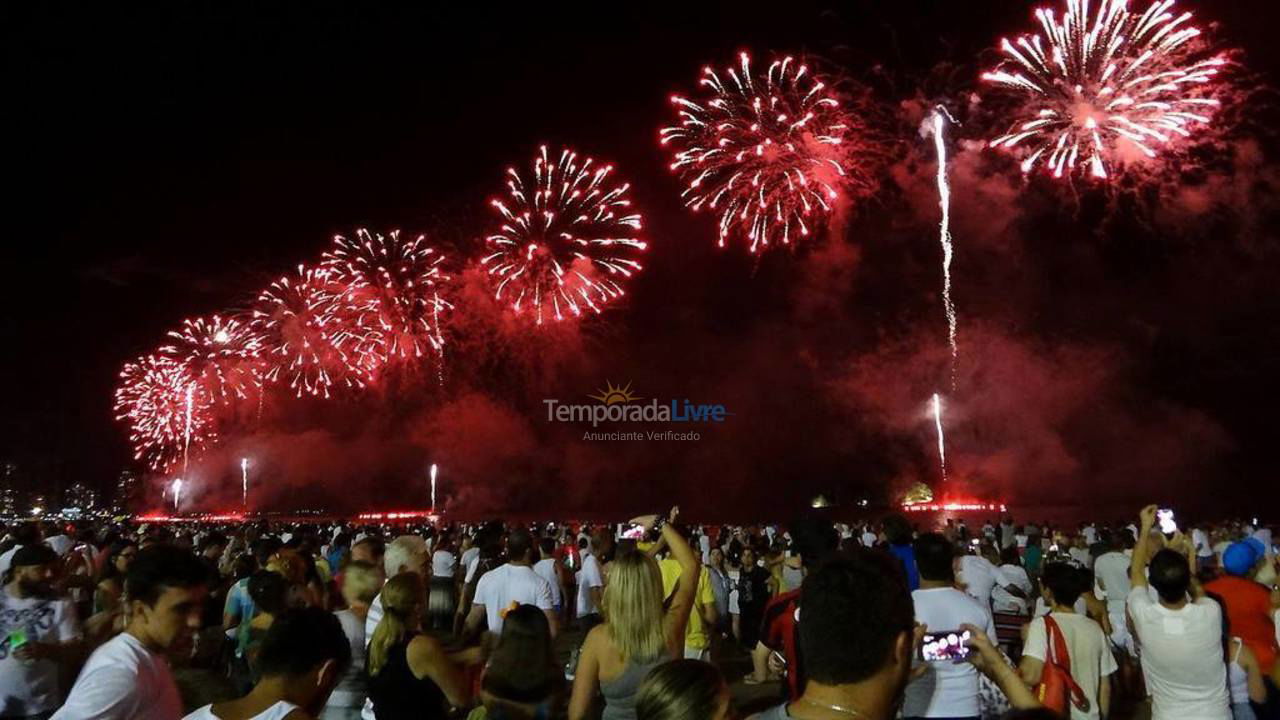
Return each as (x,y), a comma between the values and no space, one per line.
(441,595)
(637,633)
(548,569)
(857,640)
(128,678)
(719,576)
(270,593)
(41,638)
(1179,632)
(943,689)
(115,566)
(1013,589)
(303,657)
(1086,647)
(898,534)
(369,549)
(522,680)
(1247,603)
(683,690)
(697,640)
(1247,683)
(361,583)
(409,674)
(24,535)
(753,596)
(511,585)
(813,539)
(591,581)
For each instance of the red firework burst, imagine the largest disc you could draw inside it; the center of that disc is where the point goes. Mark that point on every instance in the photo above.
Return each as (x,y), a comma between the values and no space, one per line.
(396,288)
(311,338)
(567,239)
(1107,91)
(220,353)
(769,152)
(167,416)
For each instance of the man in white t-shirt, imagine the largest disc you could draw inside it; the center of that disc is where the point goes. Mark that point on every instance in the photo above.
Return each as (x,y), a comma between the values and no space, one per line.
(945,689)
(128,678)
(509,586)
(1179,633)
(591,582)
(470,552)
(546,567)
(39,636)
(1111,572)
(978,576)
(1087,649)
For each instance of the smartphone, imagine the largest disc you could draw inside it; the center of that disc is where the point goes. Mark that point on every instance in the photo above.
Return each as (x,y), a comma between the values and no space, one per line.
(634,532)
(946,646)
(17,638)
(1165,517)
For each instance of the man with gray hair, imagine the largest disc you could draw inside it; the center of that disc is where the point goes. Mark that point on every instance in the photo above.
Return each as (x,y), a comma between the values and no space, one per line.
(405,554)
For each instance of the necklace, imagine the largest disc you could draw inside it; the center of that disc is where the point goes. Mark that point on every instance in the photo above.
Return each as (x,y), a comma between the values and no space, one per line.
(838,708)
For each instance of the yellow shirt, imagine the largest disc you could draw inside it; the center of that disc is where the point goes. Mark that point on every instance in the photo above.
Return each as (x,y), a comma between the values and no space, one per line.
(695,633)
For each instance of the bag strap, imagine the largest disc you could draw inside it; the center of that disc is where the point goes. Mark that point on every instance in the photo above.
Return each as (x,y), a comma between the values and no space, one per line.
(1057,640)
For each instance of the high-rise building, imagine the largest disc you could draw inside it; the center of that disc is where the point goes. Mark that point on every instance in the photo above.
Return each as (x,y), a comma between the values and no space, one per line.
(82,496)
(126,495)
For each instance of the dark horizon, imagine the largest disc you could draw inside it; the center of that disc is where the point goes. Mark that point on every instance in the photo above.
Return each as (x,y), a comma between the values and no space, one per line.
(170,164)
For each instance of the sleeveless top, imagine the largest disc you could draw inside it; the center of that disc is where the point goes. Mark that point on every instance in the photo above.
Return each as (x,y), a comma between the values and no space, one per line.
(1237,678)
(398,695)
(275,712)
(620,693)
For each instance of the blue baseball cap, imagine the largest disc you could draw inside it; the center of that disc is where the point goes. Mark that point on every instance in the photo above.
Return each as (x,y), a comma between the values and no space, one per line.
(1242,556)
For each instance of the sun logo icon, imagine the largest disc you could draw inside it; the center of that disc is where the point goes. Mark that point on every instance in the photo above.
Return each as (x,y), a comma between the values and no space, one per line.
(614,394)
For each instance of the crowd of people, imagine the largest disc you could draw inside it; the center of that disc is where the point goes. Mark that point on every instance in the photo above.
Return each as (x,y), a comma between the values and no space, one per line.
(341,621)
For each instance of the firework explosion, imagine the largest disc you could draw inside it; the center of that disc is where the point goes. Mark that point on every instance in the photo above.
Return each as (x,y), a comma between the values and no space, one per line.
(1102,92)
(220,354)
(566,242)
(167,417)
(311,340)
(394,287)
(770,153)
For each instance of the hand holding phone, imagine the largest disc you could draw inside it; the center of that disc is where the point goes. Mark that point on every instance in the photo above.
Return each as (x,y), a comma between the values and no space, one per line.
(950,645)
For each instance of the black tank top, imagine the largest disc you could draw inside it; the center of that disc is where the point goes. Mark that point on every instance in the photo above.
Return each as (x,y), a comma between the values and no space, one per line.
(398,695)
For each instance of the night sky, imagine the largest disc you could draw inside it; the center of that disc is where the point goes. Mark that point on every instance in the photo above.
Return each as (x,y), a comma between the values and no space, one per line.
(169,162)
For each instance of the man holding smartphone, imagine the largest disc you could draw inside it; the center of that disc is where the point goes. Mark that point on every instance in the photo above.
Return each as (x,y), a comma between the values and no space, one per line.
(40,637)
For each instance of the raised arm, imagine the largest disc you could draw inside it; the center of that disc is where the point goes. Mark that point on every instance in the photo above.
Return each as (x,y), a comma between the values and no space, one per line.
(677,617)
(1141,550)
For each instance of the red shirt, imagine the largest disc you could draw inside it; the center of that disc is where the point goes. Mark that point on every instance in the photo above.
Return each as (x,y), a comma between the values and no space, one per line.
(1247,605)
(780,631)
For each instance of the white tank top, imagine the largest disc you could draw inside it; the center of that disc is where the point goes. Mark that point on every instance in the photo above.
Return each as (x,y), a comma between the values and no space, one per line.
(275,712)
(1237,678)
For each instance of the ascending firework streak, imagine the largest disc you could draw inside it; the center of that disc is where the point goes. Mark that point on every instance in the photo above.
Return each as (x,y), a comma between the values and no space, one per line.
(433,486)
(942,445)
(244,481)
(944,231)
(186,441)
(177,493)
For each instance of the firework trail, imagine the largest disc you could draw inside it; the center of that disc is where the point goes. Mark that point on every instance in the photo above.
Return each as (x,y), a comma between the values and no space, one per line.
(395,289)
(769,153)
(244,482)
(166,417)
(312,336)
(944,232)
(1104,91)
(937,424)
(177,493)
(566,241)
(220,353)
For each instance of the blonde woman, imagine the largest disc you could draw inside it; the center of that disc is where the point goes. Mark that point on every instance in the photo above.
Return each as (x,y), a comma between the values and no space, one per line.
(409,674)
(637,635)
